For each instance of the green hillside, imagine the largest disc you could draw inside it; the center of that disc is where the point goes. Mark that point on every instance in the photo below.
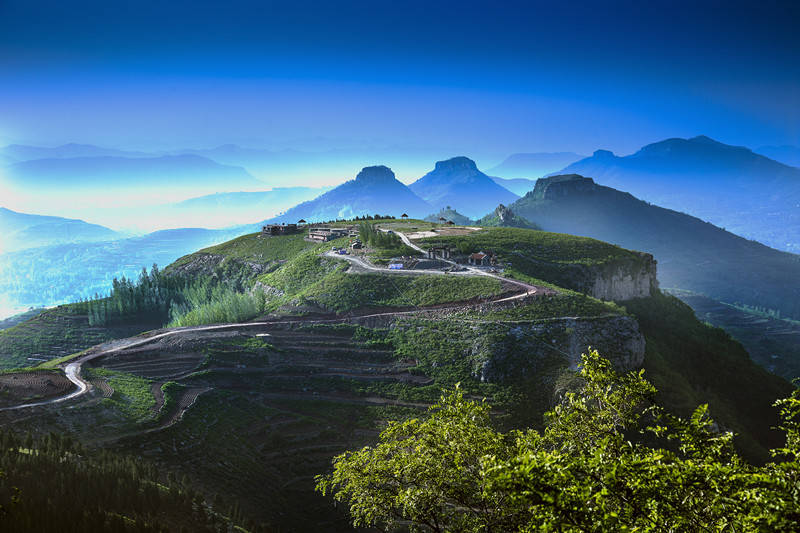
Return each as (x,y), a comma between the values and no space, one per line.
(250,414)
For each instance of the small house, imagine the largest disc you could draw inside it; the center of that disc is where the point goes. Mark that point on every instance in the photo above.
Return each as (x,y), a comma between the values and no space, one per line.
(483,259)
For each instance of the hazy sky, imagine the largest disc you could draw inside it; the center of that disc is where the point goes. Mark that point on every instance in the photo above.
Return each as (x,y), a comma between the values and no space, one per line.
(464,77)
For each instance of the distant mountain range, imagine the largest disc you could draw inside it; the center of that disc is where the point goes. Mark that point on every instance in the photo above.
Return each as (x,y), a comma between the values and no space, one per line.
(374,190)
(691,254)
(60,273)
(786,154)
(457,182)
(20,231)
(125,172)
(22,152)
(533,165)
(730,186)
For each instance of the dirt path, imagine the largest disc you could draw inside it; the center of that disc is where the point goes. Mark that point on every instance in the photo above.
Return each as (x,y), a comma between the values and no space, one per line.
(73,368)
(526,287)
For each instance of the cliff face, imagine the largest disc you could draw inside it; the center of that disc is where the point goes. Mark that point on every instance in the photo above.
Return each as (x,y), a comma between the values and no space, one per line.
(632,277)
(625,281)
(561,186)
(526,347)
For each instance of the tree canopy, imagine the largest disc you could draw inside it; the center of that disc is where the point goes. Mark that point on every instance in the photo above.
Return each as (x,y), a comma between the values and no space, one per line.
(608,459)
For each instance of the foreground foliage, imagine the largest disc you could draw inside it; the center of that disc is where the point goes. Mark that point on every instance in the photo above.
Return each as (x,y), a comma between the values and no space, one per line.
(609,459)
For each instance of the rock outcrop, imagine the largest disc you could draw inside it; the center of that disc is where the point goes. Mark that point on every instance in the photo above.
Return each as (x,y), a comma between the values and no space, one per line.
(526,346)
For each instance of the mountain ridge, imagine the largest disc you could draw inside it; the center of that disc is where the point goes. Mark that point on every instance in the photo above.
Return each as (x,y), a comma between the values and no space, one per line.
(692,254)
(730,186)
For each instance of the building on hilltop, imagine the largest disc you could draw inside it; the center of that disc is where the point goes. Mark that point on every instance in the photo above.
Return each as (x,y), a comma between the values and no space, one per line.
(272,230)
(327,233)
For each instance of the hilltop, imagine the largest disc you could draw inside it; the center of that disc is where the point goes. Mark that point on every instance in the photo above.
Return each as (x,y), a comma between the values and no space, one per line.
(459,183)
(730,186)
(692,254)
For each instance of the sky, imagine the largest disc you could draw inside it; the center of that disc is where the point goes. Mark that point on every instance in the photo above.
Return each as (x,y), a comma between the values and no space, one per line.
(483,79)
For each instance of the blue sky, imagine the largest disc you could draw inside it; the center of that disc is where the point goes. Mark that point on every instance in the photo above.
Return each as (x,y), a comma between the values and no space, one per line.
(477,78)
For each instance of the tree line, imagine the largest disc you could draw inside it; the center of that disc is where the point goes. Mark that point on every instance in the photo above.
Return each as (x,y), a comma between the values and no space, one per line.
(168,298)
(370,235)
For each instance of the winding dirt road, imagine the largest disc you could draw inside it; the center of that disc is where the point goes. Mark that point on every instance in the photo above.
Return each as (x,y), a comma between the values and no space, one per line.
(73,369)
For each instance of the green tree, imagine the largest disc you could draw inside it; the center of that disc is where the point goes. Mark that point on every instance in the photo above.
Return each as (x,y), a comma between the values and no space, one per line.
(609,459)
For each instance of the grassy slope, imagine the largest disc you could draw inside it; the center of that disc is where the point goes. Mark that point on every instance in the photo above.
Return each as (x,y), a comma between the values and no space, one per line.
(539,245)
(253,248)
(323,281)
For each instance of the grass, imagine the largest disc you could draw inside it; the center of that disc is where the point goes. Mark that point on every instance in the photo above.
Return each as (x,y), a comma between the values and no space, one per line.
(323,281)
(558,248)
(254,248)
(132,395)
(565,304)
(172,392)
(341,292)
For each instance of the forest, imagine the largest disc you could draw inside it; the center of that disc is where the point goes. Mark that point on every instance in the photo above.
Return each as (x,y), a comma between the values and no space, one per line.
(46,479)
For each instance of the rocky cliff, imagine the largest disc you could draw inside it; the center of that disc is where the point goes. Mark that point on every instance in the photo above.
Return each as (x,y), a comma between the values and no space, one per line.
(625,281)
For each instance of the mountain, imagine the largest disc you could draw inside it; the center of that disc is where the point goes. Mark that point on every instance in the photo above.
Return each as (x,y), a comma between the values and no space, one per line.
(533,165)
(503,216)
(519,186)
(80,180)
(285,196)
(59,273)
(232,208)
(459,183)
(692,254)
(22,152)
(448,213)
(786,154)
(20,230)
(113,171)
(730,186)
(374,190)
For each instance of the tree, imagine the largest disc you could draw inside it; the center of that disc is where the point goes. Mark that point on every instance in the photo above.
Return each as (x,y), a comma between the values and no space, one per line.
(609,459)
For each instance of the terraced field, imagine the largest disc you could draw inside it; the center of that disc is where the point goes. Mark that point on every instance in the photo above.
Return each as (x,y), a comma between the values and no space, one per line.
(252,413)
(23,387)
